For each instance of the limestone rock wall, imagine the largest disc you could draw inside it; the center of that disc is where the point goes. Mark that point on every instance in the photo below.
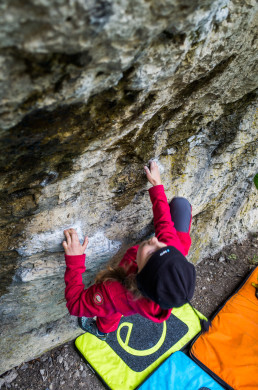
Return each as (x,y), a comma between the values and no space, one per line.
(90,91)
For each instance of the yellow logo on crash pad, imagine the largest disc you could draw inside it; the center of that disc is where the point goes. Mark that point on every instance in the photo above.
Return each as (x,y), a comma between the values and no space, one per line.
(137,352)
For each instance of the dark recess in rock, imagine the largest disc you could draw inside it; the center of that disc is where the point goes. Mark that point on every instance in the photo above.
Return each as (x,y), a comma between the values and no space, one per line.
(225,129)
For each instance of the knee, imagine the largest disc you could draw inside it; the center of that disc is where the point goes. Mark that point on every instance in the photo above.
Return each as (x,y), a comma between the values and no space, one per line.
(181,213)
(181,202)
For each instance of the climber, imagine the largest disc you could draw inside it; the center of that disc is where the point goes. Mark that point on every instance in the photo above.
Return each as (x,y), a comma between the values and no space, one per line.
(152,277)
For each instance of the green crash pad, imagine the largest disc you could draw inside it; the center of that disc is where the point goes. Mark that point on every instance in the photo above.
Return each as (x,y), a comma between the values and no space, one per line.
(138,347)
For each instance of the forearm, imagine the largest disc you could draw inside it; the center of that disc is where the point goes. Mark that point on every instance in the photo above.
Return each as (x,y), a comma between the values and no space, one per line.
(164,227)
(73,279)
(161,212)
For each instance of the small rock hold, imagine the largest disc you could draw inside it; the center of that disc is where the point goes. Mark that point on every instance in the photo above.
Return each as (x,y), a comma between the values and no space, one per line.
(221,259)
(50,361)
(24,366)
(60,359)
(171,151)
(77,374)
(10,377)
(43,374)
(66,367)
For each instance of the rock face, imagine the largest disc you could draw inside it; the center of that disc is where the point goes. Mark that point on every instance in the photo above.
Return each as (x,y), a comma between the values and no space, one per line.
(90,92)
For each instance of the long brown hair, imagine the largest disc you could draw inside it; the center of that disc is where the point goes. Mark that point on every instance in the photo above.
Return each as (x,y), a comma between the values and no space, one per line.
(119,274)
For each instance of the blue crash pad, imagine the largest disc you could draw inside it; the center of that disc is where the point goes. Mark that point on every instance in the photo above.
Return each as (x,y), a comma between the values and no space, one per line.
(180,372)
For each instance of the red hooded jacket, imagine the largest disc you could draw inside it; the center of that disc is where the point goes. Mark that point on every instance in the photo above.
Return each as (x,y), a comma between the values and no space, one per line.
(110,300)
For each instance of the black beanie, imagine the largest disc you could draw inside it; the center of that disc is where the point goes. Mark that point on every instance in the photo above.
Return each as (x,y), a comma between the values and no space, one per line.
(168,278)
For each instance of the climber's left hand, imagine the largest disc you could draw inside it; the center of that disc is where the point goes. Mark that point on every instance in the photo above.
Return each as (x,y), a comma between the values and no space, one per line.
(72,245)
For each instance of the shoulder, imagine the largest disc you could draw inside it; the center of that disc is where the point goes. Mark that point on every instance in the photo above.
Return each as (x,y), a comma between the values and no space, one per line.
(114,288)
(119,295)
(129,257)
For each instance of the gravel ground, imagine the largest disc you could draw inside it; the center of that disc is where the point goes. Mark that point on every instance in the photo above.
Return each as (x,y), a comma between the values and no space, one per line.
(62,368)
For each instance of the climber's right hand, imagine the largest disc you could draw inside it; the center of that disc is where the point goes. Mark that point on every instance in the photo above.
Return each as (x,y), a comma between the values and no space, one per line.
(153,174)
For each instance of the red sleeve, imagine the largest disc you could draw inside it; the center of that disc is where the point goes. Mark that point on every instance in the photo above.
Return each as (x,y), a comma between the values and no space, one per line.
(163,224)
(129,257)
(185,240)
(90,302)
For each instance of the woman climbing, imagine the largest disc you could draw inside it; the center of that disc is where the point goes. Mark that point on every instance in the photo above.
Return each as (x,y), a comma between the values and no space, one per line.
(150,280)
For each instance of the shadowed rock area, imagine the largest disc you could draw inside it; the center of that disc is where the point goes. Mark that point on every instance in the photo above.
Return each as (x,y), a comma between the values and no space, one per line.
(90,91)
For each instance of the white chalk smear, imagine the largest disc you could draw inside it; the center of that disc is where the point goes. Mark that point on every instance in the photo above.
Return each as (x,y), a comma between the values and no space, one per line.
(51,241)
(161,167)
